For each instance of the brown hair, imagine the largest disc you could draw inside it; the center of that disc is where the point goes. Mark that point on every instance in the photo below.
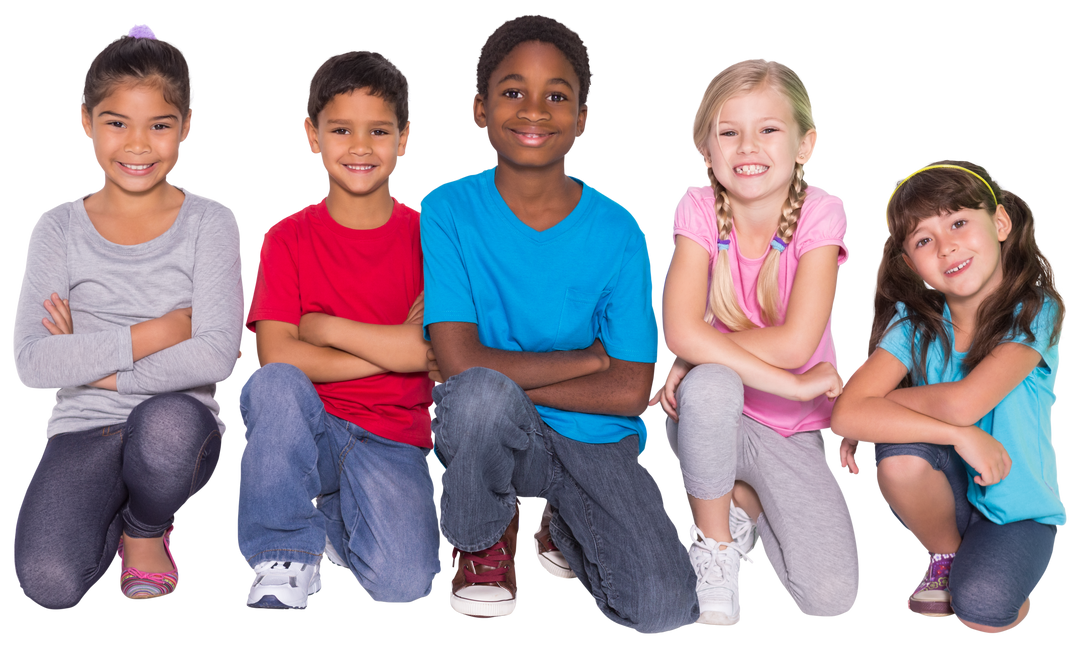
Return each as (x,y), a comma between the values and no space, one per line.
(1027,280)
(737,79)
(139,60)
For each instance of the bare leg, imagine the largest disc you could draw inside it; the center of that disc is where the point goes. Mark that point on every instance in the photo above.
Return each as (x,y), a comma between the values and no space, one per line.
(994,630)
(922,498)
(146,554)
(711,515)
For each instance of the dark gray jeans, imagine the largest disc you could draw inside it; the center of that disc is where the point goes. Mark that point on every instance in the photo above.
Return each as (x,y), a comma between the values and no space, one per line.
(92,485)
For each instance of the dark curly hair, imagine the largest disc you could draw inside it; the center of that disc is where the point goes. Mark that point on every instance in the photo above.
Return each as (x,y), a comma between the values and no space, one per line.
(143,60)
(527,29)
(369,71)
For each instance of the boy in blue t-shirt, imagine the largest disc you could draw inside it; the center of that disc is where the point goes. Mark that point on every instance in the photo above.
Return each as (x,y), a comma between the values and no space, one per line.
(539,311)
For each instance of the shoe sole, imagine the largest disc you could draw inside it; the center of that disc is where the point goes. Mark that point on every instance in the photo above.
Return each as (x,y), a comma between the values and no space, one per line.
(550,566)
(716,618)
(932,608)
(272,601)
(478,609)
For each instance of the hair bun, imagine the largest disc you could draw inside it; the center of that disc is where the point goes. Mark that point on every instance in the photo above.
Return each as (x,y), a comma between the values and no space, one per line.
(142,31)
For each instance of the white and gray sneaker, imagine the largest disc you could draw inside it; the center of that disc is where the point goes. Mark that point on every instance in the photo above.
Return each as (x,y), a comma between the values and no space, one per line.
(743,531)
(283,585)
(332,554)
(717,572)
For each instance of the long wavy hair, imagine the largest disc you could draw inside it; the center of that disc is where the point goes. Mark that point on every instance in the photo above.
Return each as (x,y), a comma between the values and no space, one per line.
(739,79)
(1027,280)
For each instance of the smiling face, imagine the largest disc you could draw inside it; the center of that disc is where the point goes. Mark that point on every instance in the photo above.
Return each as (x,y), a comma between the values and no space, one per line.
(753,147)
(137,135)
(531,110)
(359,139)
(959,252)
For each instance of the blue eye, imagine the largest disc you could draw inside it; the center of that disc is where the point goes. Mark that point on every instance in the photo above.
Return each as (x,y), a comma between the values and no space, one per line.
(769,130)
(727,133)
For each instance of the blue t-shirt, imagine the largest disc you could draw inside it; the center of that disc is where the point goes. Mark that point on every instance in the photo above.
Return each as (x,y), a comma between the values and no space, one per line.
(540,291)
(1020,422)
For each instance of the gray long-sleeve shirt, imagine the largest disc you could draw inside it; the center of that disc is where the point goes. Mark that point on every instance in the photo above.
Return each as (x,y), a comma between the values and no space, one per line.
(110,287)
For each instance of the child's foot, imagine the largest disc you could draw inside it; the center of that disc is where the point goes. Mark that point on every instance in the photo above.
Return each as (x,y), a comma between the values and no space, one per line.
(485,585)
(932,597)
(147,566)
(283,585)
(551,558)
(717,568)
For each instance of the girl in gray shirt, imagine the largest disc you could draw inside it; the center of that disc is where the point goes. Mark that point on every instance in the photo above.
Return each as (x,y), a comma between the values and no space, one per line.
(132,306)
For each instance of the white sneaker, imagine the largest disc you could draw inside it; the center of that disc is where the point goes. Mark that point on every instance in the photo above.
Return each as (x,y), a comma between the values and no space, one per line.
(743,531)
(283,585)
(717,579)
(332,554)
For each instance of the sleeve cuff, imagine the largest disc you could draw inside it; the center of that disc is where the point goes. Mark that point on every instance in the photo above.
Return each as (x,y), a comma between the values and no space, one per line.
(124,361)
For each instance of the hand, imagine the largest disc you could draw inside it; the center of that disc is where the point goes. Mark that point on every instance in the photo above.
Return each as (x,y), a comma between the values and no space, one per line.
(847,455)
(433,366)
(597,349)
(666,395)
(416,312)
(984,454)
(60,311)
(312,328)
(822,379)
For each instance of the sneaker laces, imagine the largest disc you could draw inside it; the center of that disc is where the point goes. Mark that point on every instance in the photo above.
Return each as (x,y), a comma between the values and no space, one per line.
(742,532)
(489,558)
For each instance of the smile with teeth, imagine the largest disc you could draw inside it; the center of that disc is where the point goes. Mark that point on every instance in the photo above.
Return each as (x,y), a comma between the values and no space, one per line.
(534,136)
(136,167)
(954,270)
(359,167)
(751,169)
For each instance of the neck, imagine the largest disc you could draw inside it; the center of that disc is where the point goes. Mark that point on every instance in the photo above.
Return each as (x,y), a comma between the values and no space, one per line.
(368,211)
(118,203)
(540,197)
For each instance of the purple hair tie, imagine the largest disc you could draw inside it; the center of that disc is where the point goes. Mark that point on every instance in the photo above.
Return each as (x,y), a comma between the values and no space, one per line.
(778,244)
(142,31)
(721,245)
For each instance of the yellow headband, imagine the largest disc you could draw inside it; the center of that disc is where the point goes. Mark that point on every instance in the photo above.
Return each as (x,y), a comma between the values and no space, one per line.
(927,168)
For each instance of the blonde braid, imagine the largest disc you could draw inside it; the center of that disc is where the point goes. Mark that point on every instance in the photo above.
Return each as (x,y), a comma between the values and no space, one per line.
(768,287)
(723,304)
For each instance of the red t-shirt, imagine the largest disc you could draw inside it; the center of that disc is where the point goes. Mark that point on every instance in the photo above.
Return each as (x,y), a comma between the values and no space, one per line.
(310,263)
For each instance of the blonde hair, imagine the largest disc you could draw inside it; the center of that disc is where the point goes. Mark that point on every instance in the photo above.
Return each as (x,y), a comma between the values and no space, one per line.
(738,79)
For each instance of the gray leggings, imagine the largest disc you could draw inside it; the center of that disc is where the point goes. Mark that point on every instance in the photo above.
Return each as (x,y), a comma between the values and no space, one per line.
(805,527)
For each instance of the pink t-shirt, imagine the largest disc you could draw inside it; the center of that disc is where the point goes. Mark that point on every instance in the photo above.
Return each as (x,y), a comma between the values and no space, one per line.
(821,222)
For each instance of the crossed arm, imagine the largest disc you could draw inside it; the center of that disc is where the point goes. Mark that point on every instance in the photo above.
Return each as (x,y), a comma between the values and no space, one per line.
(586,380)
(873,409)
(335,349)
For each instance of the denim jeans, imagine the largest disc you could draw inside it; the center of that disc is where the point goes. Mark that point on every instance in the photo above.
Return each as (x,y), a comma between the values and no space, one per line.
(376,501)
(92,485)
(609,520)
(997,566)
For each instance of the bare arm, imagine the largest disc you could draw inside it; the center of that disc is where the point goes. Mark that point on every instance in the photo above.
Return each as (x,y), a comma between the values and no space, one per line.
(864,412)
(621,390)
(792,343)
(400,348)
(965,402)
(696,342)
(457,348)
(278,341)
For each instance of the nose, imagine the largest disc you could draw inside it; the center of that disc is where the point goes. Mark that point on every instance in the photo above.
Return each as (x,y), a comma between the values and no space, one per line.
(361,145)
(533,108)
(947,245)
(748,142)
(138,141)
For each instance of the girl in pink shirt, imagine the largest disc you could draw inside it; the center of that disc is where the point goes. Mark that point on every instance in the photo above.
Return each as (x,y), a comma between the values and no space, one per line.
(746,311)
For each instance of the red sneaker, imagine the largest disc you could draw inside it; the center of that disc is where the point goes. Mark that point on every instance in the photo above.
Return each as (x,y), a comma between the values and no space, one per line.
(485,585)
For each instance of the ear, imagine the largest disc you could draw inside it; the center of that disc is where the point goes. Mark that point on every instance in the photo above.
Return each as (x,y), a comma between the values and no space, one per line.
(708,158)
(1002,222)
(907,259)
(479,112)
(312,135)
(806,147)
(86,122)
(582,113)
(186,126)
(403,139)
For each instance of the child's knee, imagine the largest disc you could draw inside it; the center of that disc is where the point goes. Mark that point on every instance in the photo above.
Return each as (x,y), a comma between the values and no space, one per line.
(401,587)
(273,383)
(51,584)
(901,469)
(714,384)
(983,599)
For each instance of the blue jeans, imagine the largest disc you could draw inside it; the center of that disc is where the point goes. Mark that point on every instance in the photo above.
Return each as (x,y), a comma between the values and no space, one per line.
(376,501)
(996,566)
(609,520)
(92,485)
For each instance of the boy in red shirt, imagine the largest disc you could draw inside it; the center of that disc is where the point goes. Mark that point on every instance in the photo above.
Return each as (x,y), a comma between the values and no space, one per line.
(339,410)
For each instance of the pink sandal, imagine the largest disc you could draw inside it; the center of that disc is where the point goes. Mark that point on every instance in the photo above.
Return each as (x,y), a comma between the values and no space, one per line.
(138,585)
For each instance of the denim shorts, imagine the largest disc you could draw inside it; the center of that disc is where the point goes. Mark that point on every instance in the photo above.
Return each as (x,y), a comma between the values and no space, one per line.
(996,566)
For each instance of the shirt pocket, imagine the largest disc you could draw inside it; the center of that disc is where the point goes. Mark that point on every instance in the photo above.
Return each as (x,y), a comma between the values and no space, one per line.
(579,323)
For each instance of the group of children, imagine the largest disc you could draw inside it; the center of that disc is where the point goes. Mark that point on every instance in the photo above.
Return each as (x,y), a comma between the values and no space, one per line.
(519,303)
